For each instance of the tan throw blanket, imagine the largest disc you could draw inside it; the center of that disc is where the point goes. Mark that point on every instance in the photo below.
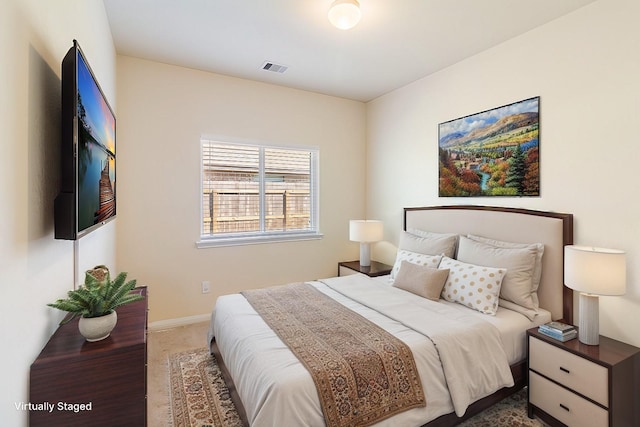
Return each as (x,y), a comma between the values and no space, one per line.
(473,360)
(362,373)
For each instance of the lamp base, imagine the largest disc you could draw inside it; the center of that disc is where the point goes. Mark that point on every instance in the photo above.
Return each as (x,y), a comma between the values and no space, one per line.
(589,327)
(365,254)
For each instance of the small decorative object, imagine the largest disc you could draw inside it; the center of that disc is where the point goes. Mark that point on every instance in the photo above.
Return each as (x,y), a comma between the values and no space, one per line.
(365,232)
(492,153)
(96,302)
(97,328)
(559,331)
(592,272)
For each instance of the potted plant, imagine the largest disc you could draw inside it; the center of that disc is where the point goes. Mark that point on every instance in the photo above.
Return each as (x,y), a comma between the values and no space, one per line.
(96,301)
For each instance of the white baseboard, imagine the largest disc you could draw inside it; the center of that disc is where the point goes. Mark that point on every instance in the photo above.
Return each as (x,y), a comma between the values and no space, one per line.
(174,323)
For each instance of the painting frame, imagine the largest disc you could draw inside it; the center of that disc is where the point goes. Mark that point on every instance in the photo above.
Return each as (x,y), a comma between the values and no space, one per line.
(493,153)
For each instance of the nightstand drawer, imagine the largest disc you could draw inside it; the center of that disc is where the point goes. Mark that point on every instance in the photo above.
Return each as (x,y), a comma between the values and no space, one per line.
(564,405)
(574,372)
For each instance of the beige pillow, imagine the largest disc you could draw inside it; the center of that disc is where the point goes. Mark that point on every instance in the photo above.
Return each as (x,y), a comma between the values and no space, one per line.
(415,258)
(519,264)
(424,281)
(426,242)
(477,287)
(537,269)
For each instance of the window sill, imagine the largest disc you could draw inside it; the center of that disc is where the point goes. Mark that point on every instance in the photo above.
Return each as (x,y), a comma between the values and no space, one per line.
(255,240)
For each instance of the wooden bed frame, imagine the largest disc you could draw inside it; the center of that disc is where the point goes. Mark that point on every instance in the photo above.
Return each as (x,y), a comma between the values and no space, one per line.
(554,230)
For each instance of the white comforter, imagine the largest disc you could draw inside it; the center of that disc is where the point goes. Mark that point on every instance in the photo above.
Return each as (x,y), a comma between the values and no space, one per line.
(459,356)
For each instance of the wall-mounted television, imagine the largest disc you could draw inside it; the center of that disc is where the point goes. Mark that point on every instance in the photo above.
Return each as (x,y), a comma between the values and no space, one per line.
(87,198)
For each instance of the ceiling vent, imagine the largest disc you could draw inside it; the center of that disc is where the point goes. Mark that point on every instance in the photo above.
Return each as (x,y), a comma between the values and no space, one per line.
(276,68)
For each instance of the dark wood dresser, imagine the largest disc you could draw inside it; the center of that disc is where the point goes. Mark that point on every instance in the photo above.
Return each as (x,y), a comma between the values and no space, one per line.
(102,383)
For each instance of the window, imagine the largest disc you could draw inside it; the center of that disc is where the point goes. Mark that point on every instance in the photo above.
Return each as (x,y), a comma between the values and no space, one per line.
(257,193)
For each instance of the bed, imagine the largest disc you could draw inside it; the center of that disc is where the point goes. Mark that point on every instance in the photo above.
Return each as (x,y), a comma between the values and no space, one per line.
(270,386)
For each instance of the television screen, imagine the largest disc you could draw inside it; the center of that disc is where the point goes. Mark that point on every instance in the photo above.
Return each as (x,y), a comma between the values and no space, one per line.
(87,198)
(96,152)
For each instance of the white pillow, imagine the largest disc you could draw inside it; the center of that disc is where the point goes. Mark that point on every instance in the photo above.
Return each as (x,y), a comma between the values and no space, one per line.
(519,263)
(477,287)
(415,258)
(426,242)
(537,269)
(424,281)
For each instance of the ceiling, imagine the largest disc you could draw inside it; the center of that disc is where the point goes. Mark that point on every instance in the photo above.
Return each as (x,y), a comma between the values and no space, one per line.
(395,43)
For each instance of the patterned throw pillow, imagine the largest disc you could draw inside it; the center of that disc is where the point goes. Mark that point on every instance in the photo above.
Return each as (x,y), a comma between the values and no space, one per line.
(415,258)
(517,285)
(538,248)
(474,286)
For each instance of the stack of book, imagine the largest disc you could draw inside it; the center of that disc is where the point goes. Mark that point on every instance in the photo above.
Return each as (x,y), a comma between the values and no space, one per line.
(558,330)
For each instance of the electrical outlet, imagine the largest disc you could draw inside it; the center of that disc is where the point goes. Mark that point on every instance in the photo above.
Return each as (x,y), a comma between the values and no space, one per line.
(205,287)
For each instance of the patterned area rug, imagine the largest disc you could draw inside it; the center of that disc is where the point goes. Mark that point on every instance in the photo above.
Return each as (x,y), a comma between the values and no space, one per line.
(510,412)
(200,398)
(198,394)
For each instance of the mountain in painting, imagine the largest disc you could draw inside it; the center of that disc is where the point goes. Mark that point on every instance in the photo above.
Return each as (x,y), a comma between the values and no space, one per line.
(451,137)
(504,126)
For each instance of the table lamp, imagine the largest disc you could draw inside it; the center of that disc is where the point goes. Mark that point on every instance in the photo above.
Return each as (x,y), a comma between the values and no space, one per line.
(593,272)
(365,232)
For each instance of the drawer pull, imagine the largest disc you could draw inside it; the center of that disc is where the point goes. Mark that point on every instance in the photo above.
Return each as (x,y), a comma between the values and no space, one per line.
(564,407)
(565,370)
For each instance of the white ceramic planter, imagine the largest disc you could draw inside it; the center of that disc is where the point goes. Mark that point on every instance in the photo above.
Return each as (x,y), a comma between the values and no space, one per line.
(97,328)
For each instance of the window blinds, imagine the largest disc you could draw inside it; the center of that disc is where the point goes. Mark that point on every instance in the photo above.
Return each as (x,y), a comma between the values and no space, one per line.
(253,189)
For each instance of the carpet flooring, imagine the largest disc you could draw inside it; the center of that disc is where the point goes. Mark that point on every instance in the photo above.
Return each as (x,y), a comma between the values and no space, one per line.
(200,398)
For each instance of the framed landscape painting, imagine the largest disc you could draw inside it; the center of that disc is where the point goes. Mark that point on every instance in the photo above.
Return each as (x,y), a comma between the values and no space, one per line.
(492,153)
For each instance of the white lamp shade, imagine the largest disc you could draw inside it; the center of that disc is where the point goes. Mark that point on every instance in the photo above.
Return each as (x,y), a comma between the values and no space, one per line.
(344,14)
(598,271)
(365,231)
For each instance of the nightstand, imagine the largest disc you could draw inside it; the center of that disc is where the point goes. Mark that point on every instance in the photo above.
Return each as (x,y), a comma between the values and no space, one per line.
(575,384)
(374,270)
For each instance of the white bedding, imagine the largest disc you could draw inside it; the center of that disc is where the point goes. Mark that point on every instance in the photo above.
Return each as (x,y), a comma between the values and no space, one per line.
(277,390)
(511,325)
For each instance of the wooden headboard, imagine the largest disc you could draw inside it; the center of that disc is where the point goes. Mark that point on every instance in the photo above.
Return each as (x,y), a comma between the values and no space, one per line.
(554,230)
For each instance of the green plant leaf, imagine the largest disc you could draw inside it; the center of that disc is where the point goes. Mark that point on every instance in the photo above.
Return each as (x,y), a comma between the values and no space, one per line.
(94,298)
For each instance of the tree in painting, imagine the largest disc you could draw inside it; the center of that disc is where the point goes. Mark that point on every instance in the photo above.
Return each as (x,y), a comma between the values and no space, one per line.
(493,153)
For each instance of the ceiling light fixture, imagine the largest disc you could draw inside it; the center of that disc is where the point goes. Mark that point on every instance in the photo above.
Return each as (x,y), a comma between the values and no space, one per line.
(345,14)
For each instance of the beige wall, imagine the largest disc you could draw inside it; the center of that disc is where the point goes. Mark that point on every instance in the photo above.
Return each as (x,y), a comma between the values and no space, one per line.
(585,68)
(35,269)
(163,111)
